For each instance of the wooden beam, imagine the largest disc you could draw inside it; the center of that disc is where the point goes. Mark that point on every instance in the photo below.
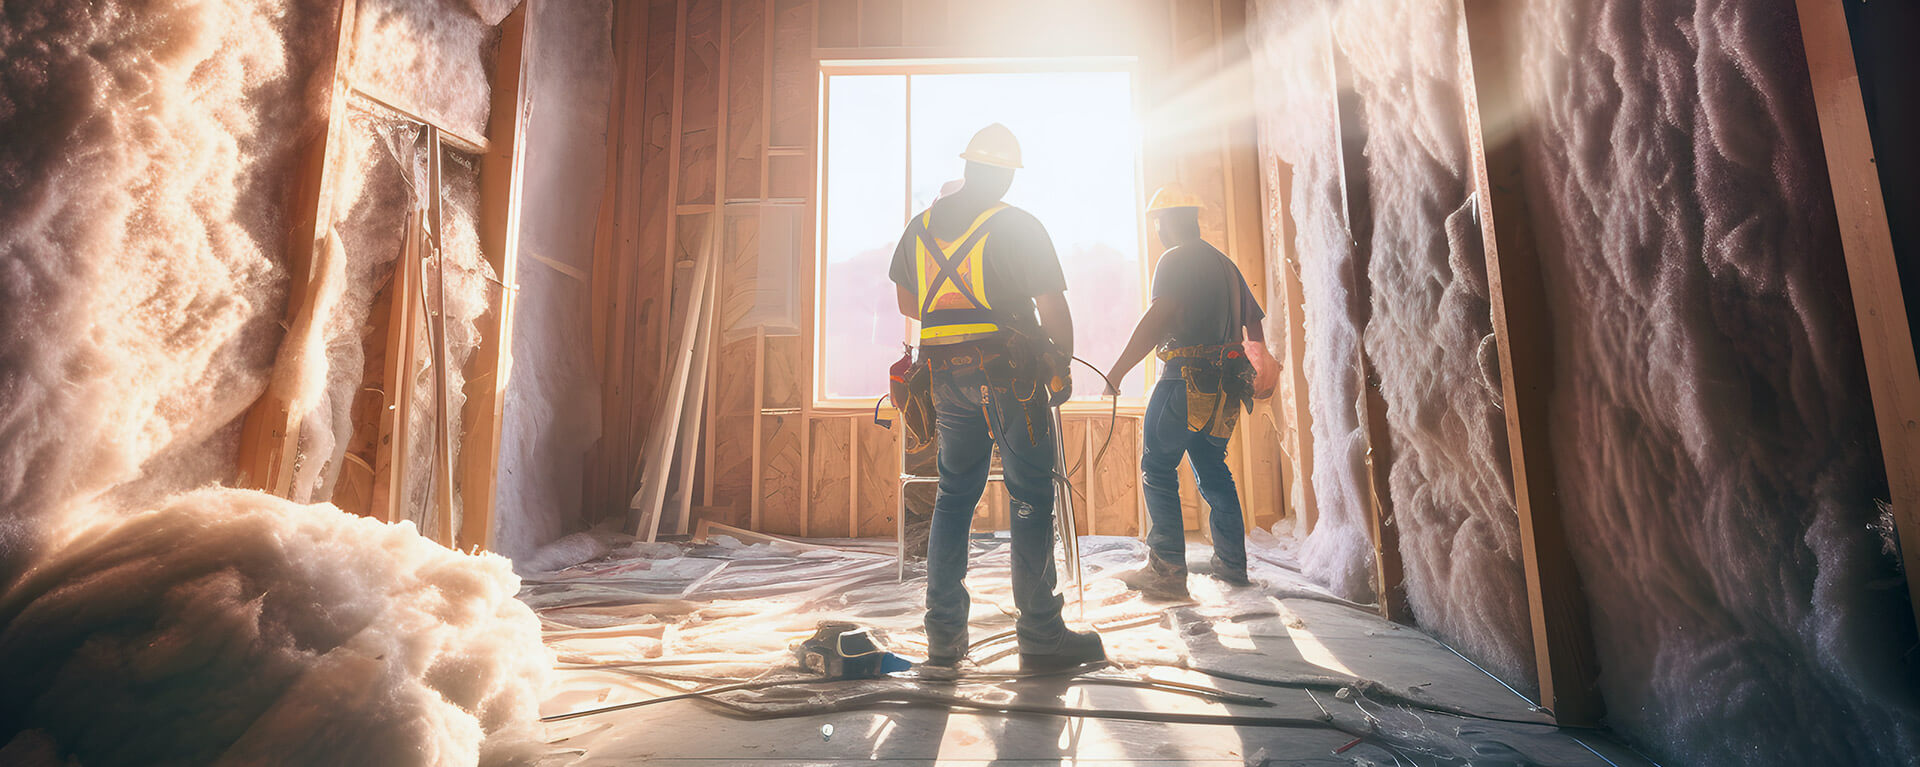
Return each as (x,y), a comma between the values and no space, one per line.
(391,444)
(270,433)
(491,367)
(1562,637)
(442,474)
(469,144)
(759,404)
(1886,340)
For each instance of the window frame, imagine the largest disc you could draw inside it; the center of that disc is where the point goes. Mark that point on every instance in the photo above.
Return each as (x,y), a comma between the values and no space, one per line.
(1132,403)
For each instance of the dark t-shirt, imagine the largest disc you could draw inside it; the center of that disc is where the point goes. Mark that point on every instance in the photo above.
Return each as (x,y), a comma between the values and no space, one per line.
(1019,258)
(1196,278)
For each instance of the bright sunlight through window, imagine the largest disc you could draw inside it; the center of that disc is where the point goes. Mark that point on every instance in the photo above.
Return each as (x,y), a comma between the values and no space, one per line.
(894,139)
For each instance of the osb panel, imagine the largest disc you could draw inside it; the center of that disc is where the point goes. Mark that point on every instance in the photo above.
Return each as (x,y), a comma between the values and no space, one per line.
(700,102)
(1202,173)
(878,488)
(783,387)
(1193,35)
(1073,431)
(790,177)
(1116,480)
(839,23)
(781,508)
(794,77)
(927,22)
(733,430)
(740,269)
(830,490)
(880,23)
(746,84)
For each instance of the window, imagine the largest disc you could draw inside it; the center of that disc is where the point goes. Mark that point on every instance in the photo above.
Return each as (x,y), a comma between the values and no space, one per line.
(893,137)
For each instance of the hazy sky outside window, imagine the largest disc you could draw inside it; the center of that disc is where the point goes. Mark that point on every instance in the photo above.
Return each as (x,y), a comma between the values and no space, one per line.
(1078,141)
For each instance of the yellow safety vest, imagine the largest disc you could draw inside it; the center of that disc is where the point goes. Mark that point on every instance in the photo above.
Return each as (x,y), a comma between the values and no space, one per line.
(952,282)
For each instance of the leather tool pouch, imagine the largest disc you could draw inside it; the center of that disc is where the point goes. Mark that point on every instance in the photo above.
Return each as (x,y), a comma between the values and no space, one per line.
(911,387)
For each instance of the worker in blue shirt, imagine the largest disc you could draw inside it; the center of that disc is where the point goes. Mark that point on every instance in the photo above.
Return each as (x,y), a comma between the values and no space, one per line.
(1200,306)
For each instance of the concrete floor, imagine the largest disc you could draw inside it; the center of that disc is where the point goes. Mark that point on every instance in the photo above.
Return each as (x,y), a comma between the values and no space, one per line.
(661,619)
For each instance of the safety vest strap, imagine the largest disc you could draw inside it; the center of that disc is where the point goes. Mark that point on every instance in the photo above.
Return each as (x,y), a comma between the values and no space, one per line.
(947,264)
(950,270)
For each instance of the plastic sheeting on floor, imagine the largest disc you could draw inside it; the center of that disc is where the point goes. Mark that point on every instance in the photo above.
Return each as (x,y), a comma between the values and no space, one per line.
(1282,666)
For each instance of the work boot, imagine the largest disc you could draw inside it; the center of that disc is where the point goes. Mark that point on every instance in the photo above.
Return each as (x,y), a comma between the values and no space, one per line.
(1077,648)
(939,669)
(1158,579)
(1230,576)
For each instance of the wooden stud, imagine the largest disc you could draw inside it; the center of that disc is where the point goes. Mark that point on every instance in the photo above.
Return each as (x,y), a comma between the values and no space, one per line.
(491,367)
(390,462)
(759,403)
(1562,637)
(853,477)
(675,137)
(1886,340)
(443,468)
(1297,437)
(722,162)
(270,433)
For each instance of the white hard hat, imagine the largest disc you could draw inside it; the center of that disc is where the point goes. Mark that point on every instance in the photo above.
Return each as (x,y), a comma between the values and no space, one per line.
(994,145)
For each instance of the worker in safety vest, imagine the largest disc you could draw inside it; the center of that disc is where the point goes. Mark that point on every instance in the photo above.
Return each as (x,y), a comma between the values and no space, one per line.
(974,270)
(1200,304)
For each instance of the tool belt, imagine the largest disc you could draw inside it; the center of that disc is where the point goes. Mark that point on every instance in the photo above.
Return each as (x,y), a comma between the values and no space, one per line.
(1023,367)
(1219,382)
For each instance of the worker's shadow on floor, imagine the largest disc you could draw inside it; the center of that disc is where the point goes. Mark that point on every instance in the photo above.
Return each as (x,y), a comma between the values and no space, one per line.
(931,734)
(1253,652)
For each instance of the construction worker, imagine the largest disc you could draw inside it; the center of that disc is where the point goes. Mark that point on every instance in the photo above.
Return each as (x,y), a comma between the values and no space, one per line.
(974,270)
(1200,304)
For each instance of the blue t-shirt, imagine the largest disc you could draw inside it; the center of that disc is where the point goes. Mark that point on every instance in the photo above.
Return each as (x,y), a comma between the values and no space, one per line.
(1197,278)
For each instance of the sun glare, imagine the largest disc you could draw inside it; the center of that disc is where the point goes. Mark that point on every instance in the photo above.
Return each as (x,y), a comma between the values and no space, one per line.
(893,141)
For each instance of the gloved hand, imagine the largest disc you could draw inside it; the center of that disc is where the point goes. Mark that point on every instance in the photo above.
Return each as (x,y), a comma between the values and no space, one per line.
(1059,396)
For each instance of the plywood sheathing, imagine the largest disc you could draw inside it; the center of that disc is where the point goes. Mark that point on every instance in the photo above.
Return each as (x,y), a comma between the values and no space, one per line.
(740,92)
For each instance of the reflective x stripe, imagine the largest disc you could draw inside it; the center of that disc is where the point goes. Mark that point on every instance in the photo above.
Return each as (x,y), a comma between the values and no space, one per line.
(946,263)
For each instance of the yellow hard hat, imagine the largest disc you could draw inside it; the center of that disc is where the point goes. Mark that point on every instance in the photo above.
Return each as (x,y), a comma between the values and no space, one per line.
(994,145)
(1172,196)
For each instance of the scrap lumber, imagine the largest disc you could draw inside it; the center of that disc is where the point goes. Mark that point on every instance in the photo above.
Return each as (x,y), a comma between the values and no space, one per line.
(656,459)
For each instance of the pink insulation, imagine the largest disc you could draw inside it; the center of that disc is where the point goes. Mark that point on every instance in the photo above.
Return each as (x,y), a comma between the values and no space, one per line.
(1715,442)
(147,158)
(1296,124)
(1712,430)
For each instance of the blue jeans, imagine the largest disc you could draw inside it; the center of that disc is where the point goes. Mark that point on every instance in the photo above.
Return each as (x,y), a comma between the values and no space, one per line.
(1164,439)
(967,435)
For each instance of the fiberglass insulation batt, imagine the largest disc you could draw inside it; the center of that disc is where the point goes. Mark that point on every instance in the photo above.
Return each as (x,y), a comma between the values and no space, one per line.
(148,156)
(1712,430)
(1714,438)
